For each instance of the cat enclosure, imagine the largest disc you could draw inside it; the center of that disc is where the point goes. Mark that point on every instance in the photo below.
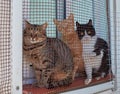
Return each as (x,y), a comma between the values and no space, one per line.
(17,74)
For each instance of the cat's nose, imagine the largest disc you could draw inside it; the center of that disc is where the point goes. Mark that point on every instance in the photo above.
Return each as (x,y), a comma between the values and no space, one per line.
(87,38)
(33,39)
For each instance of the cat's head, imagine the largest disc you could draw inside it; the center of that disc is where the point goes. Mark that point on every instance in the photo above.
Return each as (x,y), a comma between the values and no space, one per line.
(85,30)
(34,33)
(66,25)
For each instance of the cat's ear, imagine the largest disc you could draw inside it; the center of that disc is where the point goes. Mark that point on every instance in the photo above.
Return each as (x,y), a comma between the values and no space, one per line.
(71,17)
(77,24)
(44,26)
(27,24)
(58,24)
(90,22)
(55,21)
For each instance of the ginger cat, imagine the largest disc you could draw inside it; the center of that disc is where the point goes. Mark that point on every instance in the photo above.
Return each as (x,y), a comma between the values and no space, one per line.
(70,37)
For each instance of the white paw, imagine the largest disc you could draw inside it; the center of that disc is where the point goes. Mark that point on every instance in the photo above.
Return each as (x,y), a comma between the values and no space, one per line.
(103,75)
(87,81)
(98,78)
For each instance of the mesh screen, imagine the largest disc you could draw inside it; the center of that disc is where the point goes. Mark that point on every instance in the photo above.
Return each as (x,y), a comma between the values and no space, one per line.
(5,52)
(33,10)
(41,11)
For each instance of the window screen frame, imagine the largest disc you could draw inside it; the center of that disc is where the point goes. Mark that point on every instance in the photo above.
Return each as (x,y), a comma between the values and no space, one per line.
(16,46)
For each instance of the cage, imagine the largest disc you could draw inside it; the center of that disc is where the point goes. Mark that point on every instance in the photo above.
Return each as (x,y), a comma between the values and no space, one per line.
(17,73)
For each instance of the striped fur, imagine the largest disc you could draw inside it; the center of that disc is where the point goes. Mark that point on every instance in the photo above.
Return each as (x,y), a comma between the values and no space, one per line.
(51,58)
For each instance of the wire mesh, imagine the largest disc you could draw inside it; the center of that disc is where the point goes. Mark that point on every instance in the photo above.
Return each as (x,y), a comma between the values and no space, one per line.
(33,10)
(5,47)
(41,11)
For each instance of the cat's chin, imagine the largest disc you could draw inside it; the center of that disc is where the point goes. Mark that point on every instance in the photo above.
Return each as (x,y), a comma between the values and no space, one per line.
(33,42)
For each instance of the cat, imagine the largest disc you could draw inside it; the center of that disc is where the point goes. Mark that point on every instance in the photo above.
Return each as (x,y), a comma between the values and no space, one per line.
(70,37)
(51,58)
(95,48)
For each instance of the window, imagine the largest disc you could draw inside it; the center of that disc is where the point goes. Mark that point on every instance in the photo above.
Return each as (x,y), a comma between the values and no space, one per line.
(41,11)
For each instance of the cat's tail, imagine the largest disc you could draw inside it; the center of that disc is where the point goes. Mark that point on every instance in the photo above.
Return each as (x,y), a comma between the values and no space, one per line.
(64,82)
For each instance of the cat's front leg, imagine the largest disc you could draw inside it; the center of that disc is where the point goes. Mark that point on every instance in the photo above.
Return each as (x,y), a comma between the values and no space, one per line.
(38,78)
(76,65)
(41,78)
(88,69)
(47,78)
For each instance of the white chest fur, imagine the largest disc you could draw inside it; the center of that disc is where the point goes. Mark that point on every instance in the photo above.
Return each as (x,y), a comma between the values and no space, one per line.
(88,44)
(90,58)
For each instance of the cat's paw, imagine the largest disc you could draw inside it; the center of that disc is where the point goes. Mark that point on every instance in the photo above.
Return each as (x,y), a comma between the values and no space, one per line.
(103,75)
(87,81)
(37,85)
(98,78)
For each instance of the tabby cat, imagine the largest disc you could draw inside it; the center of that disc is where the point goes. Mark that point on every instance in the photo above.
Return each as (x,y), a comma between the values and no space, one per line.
(70,37)
(51,58)
(95,51)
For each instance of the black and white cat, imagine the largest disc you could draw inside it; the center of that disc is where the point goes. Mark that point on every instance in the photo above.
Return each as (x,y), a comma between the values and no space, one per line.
(95,52)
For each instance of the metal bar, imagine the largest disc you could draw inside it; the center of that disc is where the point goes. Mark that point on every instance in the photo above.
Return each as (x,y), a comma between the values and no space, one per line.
(93,12)
(56,17)
(64,9)
(109,30)
(115,40)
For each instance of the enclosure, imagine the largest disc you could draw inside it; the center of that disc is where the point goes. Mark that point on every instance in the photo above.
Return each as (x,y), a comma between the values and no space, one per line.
(17,74)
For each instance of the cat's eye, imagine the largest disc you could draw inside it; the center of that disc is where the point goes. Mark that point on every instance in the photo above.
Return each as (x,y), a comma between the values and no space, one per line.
(81,33)
(89,32)
(37,29)
(28,28)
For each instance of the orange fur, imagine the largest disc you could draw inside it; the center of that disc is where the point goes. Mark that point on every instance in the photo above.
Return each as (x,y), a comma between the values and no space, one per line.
(60,76)
(70,37)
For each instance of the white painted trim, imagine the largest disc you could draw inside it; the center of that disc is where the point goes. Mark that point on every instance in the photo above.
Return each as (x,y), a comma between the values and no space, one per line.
(92,89)
(16,49)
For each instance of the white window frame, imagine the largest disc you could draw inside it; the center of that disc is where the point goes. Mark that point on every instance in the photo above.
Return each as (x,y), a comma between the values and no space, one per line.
(92,89)
(16,46)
